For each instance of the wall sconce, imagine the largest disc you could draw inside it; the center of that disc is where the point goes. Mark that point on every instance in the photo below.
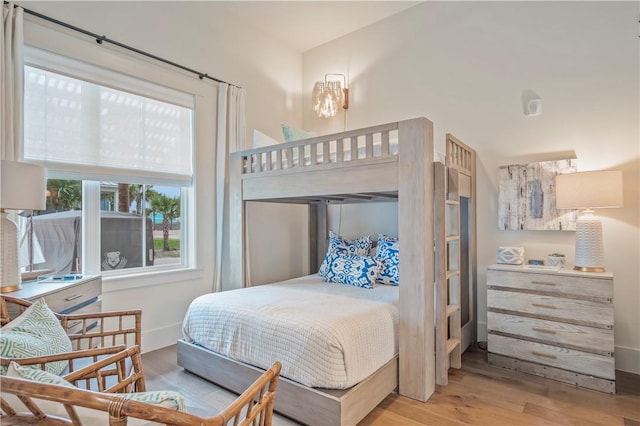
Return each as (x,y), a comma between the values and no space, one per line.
(328,94)
(589,190)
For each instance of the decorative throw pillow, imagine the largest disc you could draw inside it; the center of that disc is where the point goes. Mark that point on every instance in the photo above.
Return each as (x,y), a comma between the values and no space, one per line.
(261,140)
(36,332)
(360,271)
(388,251)
(35,374)
(167,399)
(293,134)
(338,245)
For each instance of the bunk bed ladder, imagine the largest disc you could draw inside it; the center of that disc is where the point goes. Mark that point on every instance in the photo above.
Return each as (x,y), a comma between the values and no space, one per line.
(447,272)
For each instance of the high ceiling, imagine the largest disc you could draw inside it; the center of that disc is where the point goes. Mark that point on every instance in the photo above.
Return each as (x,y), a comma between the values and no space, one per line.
(304,25)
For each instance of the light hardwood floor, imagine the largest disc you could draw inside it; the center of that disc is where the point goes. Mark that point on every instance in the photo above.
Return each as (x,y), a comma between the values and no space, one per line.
(478,394)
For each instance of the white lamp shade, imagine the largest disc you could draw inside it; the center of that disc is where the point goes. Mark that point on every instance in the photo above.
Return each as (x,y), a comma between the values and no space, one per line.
(587,190)
(24,186)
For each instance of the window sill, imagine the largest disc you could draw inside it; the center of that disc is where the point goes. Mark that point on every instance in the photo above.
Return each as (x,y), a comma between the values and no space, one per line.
(149,279)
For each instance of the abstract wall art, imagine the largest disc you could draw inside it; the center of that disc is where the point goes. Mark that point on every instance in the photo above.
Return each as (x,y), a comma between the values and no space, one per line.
(527,199)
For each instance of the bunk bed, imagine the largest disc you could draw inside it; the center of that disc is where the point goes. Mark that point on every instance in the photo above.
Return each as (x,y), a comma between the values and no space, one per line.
(387,162)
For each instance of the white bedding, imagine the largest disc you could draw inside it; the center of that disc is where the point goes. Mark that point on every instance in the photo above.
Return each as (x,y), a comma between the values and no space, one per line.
(324,334)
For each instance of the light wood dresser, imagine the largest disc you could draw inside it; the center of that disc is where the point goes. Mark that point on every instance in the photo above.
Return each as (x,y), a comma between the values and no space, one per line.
(73,295)
(556,324)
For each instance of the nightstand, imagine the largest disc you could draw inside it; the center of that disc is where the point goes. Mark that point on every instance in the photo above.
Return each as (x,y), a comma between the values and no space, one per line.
(556,324)
(78,296)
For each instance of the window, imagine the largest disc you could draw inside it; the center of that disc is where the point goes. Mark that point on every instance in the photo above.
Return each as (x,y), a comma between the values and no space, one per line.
(119,155)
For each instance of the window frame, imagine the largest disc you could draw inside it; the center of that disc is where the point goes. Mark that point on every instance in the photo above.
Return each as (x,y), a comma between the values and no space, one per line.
(92,256)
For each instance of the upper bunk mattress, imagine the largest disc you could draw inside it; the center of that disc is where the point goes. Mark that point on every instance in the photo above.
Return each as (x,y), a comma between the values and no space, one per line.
(325,335)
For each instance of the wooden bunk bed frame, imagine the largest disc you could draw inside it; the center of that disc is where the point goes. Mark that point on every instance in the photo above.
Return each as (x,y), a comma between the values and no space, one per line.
(305,172)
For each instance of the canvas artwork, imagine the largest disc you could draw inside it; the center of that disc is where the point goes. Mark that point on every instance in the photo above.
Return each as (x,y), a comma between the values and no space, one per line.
(527,198)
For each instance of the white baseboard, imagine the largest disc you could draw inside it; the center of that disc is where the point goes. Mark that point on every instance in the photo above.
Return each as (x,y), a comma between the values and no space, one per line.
(161,337)
(628,359)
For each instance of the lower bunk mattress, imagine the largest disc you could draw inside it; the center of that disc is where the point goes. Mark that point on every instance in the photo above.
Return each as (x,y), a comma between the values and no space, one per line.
(326,335)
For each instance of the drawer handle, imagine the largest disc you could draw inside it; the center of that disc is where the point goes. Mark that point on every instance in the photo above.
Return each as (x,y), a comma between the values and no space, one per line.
(543,355)
(73,324)
(74,297)
(537,305)
(543,283)
(542,330)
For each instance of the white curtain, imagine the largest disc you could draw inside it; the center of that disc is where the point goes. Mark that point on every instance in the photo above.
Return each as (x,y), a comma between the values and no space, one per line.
(12,82)
(230,138)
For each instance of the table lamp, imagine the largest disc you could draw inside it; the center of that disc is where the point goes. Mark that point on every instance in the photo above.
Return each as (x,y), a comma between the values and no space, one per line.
(589,190)
(22,187)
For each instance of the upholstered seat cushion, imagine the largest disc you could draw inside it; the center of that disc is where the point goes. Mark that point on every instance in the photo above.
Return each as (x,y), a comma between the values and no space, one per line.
(34,333)
(168,399)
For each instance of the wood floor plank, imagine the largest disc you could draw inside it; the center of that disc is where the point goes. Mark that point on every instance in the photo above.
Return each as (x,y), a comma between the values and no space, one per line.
(573,417)
(477,394)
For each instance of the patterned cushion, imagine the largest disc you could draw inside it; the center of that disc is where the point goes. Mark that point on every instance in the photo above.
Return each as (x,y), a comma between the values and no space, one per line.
(338,245)
(168,399)
(292,134)
(388,251)
(36,332)
(36,375)
(360,271)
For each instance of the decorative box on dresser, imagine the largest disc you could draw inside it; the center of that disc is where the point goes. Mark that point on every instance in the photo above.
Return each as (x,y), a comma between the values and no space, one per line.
(556,324)
(79,295)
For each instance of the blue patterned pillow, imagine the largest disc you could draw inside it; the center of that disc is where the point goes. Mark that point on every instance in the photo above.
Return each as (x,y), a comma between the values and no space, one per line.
(360,271)
(338,245)
(388,250)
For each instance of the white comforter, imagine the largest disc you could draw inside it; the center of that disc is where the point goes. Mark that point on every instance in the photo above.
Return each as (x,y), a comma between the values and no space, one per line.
(324,334)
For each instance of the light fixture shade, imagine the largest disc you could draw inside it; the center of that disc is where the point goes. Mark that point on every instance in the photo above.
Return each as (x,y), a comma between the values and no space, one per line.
(24,186)
(316,97)
(328,96)
(587,190)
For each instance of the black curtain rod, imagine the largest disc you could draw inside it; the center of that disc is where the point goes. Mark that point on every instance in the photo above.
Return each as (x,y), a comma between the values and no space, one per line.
(101,39)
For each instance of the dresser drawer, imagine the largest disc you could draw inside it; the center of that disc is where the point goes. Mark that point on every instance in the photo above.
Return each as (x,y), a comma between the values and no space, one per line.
(554,356)
(579,337)
(65,300)
(559,283)
(75,326)
(571,310)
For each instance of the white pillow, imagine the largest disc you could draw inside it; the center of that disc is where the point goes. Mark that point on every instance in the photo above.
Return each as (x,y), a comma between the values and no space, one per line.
(260,140)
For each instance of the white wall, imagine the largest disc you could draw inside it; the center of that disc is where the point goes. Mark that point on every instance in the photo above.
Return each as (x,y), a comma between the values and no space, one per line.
(199,37)
(465,66)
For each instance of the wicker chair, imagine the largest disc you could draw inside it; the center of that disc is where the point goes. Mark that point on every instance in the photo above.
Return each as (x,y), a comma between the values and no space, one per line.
(94,336)
(110,342)
(253,407)
(86,331)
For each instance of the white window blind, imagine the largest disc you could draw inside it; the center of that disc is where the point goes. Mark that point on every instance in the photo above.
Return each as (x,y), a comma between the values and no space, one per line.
(102,133)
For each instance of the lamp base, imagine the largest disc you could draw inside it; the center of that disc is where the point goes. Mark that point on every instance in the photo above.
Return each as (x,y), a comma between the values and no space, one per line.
(10,278)
(10,288)
(588,269)
(589,251)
